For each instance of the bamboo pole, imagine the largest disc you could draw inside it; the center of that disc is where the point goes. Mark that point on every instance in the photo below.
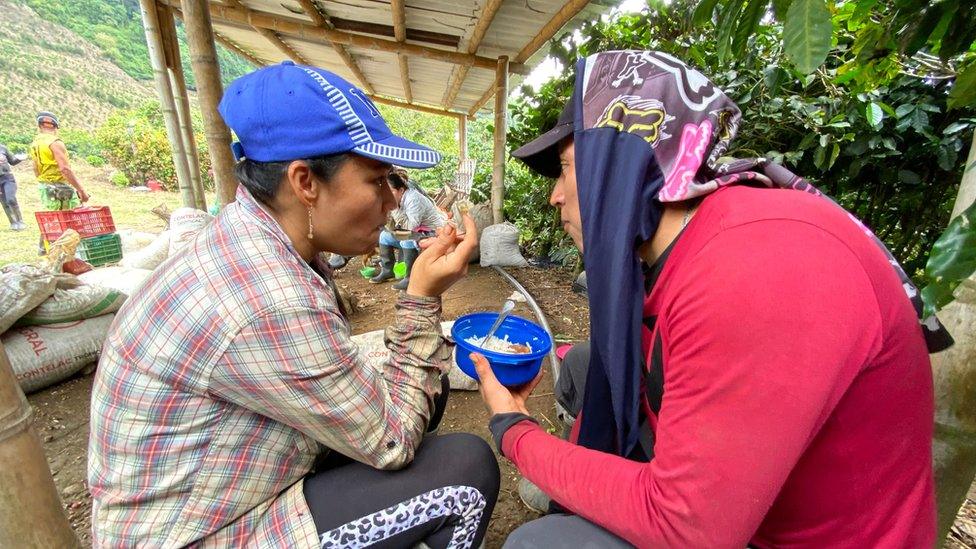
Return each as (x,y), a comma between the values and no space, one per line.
(31,512)
(164,89)
(167,24)
(463,137)
(501,133)
(203,57)
(954,373)
(398,9)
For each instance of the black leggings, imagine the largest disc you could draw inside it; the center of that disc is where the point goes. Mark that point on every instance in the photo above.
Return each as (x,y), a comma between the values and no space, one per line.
(443,498)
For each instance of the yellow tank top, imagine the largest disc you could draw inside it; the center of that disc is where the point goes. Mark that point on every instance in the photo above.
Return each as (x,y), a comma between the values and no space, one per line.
(43,156)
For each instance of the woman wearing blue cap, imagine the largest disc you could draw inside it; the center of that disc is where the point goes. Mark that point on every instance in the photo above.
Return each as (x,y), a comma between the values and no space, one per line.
(230,405)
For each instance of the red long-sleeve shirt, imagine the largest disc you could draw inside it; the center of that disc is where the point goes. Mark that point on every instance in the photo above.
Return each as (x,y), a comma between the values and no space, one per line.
(797,407)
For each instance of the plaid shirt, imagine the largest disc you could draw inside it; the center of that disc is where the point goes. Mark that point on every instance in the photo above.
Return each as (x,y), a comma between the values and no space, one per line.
(223,377)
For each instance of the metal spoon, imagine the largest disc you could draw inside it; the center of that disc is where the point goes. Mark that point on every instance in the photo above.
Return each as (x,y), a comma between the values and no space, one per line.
(506,308)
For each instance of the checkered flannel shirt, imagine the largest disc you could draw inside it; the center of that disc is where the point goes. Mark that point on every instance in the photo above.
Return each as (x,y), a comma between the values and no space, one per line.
(225,375)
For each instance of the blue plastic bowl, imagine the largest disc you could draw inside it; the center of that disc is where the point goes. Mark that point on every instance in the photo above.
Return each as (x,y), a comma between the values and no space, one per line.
(510,369)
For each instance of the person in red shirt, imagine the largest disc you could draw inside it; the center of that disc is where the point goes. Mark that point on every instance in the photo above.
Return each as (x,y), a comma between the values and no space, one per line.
(757,374)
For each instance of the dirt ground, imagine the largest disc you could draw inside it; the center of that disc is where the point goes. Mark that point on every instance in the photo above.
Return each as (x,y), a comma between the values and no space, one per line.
(62,411)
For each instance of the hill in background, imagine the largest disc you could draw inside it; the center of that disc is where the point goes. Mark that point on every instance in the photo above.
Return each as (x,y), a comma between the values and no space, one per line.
(115,28)
(43,66)
(80,59)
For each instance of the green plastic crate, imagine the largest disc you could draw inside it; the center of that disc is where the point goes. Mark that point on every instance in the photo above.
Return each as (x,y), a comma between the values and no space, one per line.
(100,250)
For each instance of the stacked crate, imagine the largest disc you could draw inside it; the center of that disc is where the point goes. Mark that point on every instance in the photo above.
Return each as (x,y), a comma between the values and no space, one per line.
(99,245)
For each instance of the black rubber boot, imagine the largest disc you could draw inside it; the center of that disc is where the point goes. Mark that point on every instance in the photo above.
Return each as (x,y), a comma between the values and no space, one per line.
(386,265)
(409,256)
(11,217)
(18,224)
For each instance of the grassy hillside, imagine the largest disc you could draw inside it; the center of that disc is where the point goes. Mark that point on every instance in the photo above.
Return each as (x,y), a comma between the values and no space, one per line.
(115,28)
(46,67)
(80,59)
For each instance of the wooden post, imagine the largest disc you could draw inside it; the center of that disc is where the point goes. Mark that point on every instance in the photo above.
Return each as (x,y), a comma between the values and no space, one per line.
(31,513)
(203,57)
(167,27)
(954,373)
(463,137)
(967,189)
(157,56)
(501,133)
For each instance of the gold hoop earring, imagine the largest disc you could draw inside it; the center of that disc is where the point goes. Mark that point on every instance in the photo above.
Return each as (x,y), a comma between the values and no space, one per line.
(310,223)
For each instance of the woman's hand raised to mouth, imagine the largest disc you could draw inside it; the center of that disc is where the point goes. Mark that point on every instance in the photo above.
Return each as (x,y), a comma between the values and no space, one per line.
(444,259)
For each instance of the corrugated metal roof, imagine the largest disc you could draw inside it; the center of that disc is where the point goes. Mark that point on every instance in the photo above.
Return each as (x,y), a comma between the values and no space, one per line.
(434,25)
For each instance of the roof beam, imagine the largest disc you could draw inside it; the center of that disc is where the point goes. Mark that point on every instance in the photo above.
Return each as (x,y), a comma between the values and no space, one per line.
(400,34)
(477,35)
(482,100)
(237,49)
(227,43)
(291,52)
(416,107)
(324,21)
(565,13)
(300,29)
(272,37)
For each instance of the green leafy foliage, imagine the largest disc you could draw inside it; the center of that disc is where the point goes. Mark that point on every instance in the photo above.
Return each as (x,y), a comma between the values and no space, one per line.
(436,132)
(135,142)
(119,179)
(891,37)
(953,259)
(806,34)
(891,153)
(964,91)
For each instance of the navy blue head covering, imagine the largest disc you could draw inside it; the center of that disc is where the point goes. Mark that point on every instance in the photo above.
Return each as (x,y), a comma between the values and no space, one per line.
(648,130)
(644,124)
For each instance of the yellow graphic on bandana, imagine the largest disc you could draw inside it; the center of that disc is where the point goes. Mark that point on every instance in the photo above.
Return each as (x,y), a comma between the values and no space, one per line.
(645,118)
(725,125)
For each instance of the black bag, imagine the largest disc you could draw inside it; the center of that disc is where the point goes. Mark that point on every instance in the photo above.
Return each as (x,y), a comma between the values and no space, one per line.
(60,192)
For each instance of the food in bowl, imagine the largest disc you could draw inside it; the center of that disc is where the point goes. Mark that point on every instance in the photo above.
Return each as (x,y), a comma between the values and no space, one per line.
(511,369)
(499,345)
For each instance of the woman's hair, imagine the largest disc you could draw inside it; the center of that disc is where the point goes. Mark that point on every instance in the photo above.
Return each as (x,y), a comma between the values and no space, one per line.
(262,179)
(397,180)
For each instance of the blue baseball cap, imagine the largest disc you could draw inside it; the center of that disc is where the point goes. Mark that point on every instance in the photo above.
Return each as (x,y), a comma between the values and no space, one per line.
(289,112)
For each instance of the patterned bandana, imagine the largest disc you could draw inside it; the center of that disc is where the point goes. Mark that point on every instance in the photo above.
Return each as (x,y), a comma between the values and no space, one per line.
(685,125)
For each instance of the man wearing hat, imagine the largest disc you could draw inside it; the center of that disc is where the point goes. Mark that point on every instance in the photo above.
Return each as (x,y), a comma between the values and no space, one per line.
(52,168)
(231,407)
(58,186)
(758,368)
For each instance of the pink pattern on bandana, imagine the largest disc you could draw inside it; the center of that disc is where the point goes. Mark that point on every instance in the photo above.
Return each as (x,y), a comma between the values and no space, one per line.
(678,185)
